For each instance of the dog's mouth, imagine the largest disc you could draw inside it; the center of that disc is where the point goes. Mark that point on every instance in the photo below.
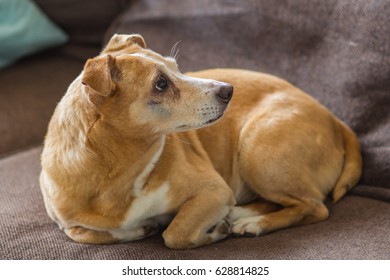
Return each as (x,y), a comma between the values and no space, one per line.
(214,119)
(185,127)
(201,124)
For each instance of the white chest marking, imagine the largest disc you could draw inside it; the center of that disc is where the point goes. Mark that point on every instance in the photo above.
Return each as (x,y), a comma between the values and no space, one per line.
(141,179)
(147,206)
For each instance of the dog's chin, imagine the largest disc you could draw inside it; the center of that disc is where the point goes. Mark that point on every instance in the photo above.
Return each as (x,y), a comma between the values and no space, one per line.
(186,127)
(213,120)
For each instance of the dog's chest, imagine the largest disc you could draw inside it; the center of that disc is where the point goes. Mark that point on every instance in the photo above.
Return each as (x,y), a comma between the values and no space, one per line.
(148,208)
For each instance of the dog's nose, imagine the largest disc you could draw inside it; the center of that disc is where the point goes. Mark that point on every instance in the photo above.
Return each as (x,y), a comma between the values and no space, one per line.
(225,93)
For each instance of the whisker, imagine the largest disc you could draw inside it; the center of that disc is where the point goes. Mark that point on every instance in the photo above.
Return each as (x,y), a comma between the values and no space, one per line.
(173,52)
(176,56)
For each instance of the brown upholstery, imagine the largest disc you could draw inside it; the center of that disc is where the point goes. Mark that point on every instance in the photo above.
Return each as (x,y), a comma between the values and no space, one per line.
(85,21)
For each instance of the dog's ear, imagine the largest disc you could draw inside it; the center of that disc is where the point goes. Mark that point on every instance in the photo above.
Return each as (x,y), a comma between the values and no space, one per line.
(98,75)
(121,41)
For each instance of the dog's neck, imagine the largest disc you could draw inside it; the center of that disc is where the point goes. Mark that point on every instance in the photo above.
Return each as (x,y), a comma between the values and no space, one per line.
(117,150)
(132,160)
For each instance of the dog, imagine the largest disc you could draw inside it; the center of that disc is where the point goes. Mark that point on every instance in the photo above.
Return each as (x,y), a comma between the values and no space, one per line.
(132,148)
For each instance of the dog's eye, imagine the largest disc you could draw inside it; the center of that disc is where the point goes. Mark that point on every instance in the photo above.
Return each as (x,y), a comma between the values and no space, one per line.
(161,83)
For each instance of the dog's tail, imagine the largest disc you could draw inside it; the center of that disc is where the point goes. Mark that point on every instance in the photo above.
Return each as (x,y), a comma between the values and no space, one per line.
(352,168)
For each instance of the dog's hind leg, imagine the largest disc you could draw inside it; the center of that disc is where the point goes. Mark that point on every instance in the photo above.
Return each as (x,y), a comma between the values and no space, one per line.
(304,211)
(255,208)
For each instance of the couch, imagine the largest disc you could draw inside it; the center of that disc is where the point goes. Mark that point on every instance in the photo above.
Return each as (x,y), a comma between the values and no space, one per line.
(337,51)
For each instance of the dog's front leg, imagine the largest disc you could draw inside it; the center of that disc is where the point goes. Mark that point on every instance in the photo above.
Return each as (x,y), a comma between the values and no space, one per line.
(89,236)
(200,220)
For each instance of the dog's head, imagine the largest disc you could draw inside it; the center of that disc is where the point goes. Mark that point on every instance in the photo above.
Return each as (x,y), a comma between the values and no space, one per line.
(131,85)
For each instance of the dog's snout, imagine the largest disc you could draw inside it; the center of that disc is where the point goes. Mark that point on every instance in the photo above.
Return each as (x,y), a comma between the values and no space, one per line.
(225,93)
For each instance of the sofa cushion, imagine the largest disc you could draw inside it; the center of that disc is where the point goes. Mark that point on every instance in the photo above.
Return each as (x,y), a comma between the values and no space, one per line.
(30,90)
(85,21)
(337,51)
(24,30)
(357,229)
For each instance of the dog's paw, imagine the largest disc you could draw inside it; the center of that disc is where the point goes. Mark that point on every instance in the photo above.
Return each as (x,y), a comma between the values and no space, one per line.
(150,230)
(239,212)
(224,227)
(220,230)
(248,226)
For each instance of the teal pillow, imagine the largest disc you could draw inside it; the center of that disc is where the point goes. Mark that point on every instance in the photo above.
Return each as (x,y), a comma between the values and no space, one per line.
(25,29)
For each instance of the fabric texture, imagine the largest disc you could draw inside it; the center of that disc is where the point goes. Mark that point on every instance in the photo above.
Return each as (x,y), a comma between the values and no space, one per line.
(24,30)
(85,21)
(337,51)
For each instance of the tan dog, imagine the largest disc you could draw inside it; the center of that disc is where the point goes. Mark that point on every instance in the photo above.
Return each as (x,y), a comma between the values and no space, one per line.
(116,164)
